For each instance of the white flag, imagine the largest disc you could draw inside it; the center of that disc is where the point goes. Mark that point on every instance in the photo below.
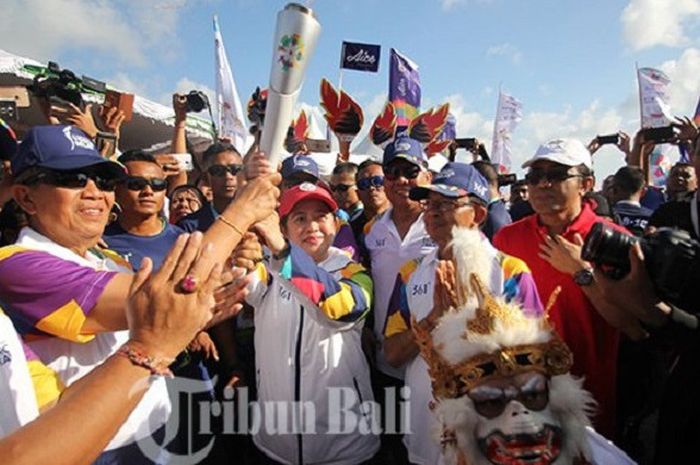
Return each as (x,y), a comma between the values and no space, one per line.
(508,114)
(231,122)
(654,98)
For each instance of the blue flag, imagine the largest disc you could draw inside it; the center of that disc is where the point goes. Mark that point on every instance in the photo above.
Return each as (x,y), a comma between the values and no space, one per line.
(360,57)
(404,87)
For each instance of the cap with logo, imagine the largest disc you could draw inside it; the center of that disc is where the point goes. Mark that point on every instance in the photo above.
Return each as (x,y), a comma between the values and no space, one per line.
(305,191)
(455,180)
(59,148)
(569,152)
(407,149)
(299,164)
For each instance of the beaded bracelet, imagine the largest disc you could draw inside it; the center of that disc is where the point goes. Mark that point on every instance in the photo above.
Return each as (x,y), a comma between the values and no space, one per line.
(157,366)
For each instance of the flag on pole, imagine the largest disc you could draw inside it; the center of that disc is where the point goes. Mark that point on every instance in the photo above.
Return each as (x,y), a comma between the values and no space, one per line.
(230,112)
(360,57)
(404,87)
(654,98)
(508,114)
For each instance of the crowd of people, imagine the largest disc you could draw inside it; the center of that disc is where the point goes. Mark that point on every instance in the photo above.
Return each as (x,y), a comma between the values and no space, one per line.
(123,274)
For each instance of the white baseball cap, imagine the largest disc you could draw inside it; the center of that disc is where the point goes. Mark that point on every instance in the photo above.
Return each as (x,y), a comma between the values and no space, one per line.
(569,152)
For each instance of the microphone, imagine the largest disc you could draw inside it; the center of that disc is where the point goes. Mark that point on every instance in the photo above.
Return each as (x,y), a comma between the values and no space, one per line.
(296,36)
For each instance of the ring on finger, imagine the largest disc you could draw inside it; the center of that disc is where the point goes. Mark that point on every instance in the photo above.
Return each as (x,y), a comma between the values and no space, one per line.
(189,284)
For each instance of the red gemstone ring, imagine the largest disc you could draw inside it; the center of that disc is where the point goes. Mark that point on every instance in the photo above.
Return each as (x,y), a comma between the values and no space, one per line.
(188,284)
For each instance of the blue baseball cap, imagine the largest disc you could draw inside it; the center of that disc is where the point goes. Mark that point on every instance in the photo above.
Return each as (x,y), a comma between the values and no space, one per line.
(405,148)
(455,180)
(299,164)
(59,148)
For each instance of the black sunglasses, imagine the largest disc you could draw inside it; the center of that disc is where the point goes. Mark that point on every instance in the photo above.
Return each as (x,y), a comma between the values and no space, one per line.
(74,179)
(342,187)
(491,406)
(221,170)
(138,183)
(534,177)
(394,172)
(373,181)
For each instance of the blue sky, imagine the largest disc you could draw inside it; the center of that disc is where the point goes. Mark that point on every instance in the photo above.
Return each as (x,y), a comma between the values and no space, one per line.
(570,62)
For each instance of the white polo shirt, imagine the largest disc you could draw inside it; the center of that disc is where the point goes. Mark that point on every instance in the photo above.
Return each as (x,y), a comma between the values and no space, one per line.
(17,400)
(387,253)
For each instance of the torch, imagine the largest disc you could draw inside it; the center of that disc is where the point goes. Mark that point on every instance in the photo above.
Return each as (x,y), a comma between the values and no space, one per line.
(296,35)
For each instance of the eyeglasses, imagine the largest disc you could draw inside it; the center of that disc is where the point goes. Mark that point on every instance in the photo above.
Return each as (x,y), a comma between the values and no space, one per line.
(74,179)
(138,183)
(342,187)
(445,206)
(392,173)
(535,177)
(373,181)
(491,402)
(221,170)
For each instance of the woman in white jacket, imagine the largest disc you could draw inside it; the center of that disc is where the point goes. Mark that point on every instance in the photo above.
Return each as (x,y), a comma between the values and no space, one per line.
(310,301)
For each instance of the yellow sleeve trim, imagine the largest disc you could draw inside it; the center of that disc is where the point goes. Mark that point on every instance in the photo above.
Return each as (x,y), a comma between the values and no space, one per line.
(66,322)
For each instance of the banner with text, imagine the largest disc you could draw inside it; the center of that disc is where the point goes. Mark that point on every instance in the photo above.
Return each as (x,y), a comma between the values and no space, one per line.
(654,98)
(508,114)
(360,57)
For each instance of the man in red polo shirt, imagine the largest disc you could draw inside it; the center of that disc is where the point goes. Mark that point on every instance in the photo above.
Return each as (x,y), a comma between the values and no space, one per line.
(549,242)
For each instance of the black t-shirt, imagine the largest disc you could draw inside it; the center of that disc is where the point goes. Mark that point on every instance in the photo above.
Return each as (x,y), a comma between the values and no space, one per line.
(675,214)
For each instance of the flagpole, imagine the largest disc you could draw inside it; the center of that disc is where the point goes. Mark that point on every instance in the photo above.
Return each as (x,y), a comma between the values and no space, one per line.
(340,81)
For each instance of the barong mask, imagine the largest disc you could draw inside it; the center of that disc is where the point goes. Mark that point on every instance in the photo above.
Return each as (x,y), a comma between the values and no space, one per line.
(500,376)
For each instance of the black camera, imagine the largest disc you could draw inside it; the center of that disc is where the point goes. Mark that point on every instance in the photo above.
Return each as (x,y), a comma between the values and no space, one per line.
(671,257)
(196,101)
(59,86)
(507,179)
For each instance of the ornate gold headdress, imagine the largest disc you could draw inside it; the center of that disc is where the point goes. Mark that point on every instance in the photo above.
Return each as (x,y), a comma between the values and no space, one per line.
(496,324)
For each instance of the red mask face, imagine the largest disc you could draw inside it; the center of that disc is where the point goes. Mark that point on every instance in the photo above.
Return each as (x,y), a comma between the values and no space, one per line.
(542,448)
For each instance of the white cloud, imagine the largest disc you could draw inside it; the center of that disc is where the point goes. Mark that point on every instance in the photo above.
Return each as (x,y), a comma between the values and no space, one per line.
(647,23)
(685,87)
(506,50)
(447,5)
(124,30)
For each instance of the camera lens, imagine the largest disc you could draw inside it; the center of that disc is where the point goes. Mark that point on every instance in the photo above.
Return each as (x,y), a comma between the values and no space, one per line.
(608,247)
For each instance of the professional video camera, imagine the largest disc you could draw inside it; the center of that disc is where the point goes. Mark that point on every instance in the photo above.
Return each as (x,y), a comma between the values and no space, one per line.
(671,257)
(58,86)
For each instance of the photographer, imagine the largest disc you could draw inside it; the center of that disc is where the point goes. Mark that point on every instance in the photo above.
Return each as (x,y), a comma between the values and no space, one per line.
(678,429)
(497,216)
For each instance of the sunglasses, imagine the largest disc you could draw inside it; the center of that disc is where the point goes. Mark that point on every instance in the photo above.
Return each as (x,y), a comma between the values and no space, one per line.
(445,206)
(535,177)
(74,179)
(491,402)
(373,181)
(392,173)
(221,170)
(342,187)
(137,183)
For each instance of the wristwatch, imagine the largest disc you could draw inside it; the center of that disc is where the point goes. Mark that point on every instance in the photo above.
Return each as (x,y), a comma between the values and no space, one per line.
(584,277)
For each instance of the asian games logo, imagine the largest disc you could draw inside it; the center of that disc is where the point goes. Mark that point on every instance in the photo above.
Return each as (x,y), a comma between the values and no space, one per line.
(291,50)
